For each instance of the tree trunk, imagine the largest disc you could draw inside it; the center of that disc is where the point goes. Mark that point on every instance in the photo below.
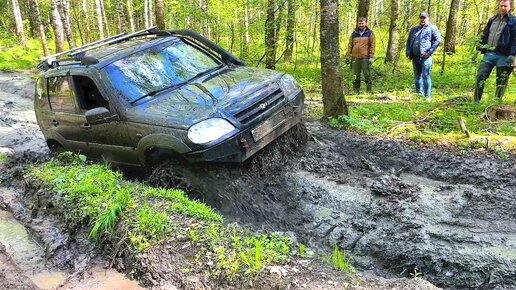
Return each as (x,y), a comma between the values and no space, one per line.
(104,19)
(246,24)
(57,26)
(86,21)
(130,12)
(333,99)
(390,54)
(291,21)
(121,16)
(363,8)
(64,11)
(451,27)
(160,22)
(145,12)
(150,12)
(19,22)
(99,19)
(270,37)
(41,29)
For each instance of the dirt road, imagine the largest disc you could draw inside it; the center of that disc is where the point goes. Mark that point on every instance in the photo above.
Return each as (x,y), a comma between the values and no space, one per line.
(398,210)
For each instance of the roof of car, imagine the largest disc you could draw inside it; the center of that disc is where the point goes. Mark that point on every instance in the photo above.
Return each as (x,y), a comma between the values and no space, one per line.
(115,51)
(131,45)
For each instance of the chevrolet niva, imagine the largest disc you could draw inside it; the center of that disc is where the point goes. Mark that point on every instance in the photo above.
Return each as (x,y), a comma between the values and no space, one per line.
(154,95)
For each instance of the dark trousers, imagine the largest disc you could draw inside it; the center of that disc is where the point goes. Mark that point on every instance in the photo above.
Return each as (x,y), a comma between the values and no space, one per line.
(361,65)
(503,71)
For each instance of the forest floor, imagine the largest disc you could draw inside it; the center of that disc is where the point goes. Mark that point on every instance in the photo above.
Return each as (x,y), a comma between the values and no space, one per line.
(402,210)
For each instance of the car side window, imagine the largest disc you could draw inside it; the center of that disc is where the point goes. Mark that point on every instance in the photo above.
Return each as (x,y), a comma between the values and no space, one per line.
(60,94)
(88,95)
(42,94)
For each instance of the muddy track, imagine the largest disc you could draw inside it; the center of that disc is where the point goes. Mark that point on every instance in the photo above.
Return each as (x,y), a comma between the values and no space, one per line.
(397,209)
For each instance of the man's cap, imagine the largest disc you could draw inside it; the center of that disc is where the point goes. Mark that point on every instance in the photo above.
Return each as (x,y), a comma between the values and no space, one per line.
(424,14)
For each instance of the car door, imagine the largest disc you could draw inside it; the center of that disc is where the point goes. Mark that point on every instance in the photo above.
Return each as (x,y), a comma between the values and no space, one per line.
(64,121)
(107,140)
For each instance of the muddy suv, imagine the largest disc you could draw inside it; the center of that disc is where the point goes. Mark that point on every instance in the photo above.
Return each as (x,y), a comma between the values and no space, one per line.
(137,97)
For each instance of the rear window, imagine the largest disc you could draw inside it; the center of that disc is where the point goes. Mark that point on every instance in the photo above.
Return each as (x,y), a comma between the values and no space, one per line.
(157,68)
(60,94)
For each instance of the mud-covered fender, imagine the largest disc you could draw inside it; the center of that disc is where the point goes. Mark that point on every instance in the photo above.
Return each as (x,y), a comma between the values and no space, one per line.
(161,141)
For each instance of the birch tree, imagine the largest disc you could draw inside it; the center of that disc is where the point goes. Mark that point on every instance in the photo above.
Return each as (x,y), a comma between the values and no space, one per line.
(85,20)
(57,26)
(41,29)
(19,22)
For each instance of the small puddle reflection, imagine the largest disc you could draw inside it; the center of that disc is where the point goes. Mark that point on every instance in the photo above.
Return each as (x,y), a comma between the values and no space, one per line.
(99,278)
(27,254)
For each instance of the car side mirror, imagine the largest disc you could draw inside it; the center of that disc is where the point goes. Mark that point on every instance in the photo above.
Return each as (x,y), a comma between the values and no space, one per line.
(100,115)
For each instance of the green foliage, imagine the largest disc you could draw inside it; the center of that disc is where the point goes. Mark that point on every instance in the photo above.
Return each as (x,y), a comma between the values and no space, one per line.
(415,275)
(94,196)
(14,57)
(340,261)
(303,253)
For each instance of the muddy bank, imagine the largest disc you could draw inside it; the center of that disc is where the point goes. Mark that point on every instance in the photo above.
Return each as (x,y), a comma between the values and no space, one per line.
(399,210)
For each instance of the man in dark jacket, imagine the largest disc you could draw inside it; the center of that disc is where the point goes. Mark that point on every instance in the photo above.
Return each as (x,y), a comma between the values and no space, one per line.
(499,48)
(361,48)
(423,40)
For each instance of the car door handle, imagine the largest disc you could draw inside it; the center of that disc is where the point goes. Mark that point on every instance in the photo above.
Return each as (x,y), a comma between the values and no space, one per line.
(86,126)
(55,122)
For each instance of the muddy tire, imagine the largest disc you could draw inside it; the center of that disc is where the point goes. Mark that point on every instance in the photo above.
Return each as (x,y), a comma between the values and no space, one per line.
(55,149)
(170,174)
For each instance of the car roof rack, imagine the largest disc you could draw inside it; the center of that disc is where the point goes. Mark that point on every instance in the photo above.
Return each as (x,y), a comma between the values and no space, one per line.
(78,53)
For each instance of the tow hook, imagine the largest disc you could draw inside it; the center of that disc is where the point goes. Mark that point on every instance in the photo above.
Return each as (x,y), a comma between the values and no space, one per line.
(243,143)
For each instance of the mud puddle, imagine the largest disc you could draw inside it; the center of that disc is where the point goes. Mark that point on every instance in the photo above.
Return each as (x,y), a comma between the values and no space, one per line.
(27,253)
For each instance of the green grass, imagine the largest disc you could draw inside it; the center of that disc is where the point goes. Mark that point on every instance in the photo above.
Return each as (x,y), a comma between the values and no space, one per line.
(14,57)
(111,208)
(394,111)
(340,261)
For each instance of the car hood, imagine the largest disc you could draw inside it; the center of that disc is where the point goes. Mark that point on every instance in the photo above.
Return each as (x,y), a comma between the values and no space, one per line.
(213,95)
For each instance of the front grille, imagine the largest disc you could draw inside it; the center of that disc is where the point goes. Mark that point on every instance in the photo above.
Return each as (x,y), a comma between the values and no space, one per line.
(259,107)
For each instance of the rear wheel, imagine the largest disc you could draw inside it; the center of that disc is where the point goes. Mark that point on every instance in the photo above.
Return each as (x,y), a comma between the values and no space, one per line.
(55,148)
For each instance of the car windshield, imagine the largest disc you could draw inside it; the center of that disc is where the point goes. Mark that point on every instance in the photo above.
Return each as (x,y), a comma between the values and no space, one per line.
(158,68)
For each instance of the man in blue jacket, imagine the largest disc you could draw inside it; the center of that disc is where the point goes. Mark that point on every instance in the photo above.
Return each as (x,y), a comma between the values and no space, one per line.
(423,40)
(499,48)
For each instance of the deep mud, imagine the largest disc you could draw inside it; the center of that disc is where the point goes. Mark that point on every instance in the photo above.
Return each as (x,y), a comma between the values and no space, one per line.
(398,210)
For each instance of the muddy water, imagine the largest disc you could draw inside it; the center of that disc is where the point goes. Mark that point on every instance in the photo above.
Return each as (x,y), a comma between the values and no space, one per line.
(27,253)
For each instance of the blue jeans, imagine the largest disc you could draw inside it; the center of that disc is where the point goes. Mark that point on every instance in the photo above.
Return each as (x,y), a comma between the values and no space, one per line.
(422,75)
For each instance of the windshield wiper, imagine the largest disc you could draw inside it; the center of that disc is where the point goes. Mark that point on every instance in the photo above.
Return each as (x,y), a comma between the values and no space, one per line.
(208,71)
(159,91)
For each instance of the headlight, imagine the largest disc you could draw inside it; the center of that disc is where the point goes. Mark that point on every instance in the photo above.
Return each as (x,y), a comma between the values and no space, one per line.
(209,130)
(289,86)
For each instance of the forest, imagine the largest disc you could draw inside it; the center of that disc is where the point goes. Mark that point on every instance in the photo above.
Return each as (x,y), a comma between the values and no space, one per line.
(286,35)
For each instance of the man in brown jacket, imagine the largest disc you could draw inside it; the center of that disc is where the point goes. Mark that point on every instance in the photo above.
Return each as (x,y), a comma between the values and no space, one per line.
(361,48)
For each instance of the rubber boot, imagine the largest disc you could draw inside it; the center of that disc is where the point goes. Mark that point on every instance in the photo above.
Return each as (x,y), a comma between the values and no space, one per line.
(369,87)
(500,90)
(356,86)
(479,90)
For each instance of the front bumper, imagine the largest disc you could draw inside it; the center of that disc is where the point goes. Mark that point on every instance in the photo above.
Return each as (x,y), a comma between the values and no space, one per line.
(246,143)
